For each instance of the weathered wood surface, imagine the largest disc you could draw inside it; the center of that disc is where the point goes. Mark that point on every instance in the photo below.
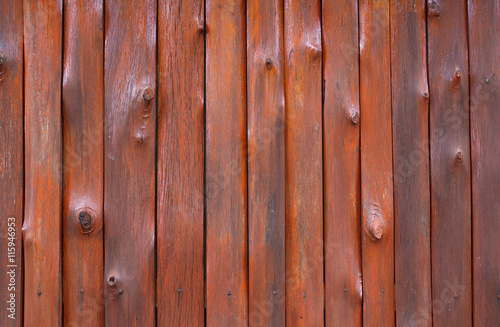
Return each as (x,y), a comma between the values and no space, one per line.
(410,128)
(376,164)
(266,162)
(226,165)
(311,162)
(83,124)
(180,265)
(304,173)
(129,163)
(484,46)
(11,162)
(43,171)
(450,163)
(341,117)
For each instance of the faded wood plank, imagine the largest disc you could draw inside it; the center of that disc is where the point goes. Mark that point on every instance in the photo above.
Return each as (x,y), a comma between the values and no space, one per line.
(266,163)
(450,163)
(304,164)
(83,124)
(130,135)
(226,164)
(410,128)
(43,180)
(484,46)
(343,282)
(180,253)
(376,164)
(11,162)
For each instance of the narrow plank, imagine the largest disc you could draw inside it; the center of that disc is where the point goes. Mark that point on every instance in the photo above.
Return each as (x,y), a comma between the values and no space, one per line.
(266,163)
(450,163)
(410,130)
(43,149)
(83,124)
(343,285)
(180,253)
(11,162)
(484,46)
(304,164)
(129,181)
(376,164)
(226,164)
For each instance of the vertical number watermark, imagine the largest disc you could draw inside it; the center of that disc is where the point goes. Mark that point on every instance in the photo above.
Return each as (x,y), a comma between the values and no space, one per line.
(11,267)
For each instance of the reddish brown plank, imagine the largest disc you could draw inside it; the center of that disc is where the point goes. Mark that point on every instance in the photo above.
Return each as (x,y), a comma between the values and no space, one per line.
(11,161)
(304,164)
(83,124)
(484,46)
(266,163)
(410,128)
(450,163)
(226,164)
(343,286)
(180,261)
(129,182)
(43,182)
(376,164)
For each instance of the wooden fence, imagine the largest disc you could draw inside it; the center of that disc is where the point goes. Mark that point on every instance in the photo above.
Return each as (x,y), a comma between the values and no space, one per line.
(259,162)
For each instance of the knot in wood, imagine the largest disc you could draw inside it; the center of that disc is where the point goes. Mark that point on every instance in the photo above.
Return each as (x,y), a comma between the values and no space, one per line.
(434,8)
(147,94)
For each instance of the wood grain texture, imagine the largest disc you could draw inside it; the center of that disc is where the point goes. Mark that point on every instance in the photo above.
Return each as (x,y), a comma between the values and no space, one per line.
(484,46)
(376,164)
(343,282)
(11,162)
(83,124)
(410,128)
(180,264)
(130,135)
(266,163)
(43,152)
(304,161)
(226,165)
(450,163)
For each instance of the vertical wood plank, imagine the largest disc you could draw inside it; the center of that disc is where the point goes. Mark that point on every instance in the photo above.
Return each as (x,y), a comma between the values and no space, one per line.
(130,137)
(343,282)
(83,124)
(180,253)
(304,161)
(43,182)
(484,46)
(410,124)
(266,163)
(226,164)
(450,163)
(11,162)
(376,164)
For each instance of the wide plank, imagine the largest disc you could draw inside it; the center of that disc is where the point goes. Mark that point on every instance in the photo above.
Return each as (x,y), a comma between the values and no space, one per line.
(341,117)
(11,162)
(410,128)
(43,163)
(129,163)
(304,164)
(226,165)
(266,162)
(450,163)
(83,125)
(376,164)
(180,223)
(484,46)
